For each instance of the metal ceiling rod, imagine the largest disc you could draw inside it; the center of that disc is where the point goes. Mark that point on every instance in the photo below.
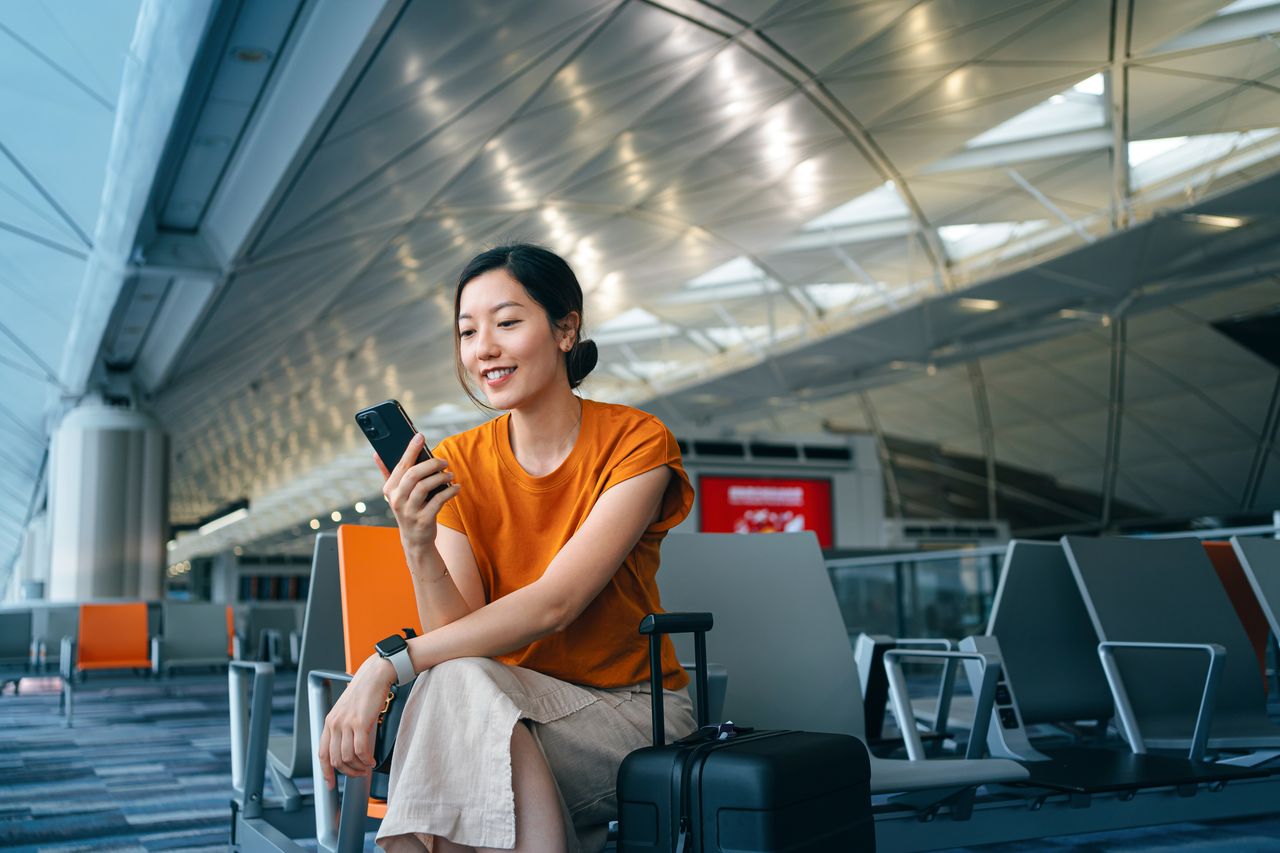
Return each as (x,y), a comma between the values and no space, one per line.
(1049,205)
(858,270)
(986,431)
(1262,453)
(1115,416)
(886,460)
(1117,84)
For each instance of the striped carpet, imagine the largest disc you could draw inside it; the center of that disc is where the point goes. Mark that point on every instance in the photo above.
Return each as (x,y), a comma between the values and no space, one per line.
(147,767)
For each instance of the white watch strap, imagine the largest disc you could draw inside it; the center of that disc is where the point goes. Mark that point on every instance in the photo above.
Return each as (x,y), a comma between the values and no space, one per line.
(404,667)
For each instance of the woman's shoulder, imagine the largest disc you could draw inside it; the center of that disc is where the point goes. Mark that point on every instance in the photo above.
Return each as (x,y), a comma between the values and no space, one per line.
(620,417)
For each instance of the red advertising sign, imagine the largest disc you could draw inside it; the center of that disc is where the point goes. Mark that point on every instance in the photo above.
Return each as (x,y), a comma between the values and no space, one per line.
(745,505)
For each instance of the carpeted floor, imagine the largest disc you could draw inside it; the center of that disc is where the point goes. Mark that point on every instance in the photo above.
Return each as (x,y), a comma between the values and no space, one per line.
(147,767)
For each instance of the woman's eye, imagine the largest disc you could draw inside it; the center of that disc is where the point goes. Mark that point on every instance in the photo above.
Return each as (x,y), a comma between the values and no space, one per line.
(507,323)
(466,333)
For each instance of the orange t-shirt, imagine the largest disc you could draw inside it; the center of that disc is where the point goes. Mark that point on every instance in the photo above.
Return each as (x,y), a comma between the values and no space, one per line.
(517,523)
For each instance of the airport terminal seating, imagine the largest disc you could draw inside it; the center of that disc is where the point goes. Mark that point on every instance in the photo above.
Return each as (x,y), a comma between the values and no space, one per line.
(15,638)
(49,625)
(109,637)
(1039,628)
(287,757)
(1260,563)
(15,645)
(267,631)
(191,634)
(1232,576)
(1165,595)
(779,632)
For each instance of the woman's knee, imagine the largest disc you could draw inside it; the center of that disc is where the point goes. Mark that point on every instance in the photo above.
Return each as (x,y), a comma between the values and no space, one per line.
(463,669)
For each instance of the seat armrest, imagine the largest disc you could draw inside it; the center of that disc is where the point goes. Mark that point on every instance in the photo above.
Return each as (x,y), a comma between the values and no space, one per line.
(984,693)
(67,657)
(947,686)
(338,827)
(156,651)
(250,730)
(1124,708)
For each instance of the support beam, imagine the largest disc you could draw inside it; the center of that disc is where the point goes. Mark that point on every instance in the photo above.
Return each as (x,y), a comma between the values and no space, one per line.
(1262,453)
(1115,417)
(978,385)
(1049,205)
(1118,110)
(886,460)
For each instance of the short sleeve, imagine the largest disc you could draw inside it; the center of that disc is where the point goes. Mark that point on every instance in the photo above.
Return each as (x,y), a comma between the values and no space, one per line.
(651,445)
(449,515)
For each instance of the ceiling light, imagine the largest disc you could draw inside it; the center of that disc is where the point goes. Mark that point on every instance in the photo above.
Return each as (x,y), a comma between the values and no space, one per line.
(360,507)
(932,369)
(237,550)
(315,524)
(222,521)
(250,54)
(978,304)
(1218,221)
(335,515)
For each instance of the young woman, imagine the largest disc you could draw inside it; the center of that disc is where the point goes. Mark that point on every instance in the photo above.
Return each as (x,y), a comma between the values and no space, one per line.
(532,569)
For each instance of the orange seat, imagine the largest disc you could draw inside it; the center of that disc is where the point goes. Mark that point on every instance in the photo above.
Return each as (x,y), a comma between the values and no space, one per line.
(113,636)
(231,632)
(377,597)
(1243,599)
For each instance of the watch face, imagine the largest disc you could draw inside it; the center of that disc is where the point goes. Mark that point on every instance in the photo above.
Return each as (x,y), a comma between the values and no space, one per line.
(390,645)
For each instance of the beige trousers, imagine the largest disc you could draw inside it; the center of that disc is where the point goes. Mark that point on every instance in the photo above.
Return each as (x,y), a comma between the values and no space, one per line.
(451,773)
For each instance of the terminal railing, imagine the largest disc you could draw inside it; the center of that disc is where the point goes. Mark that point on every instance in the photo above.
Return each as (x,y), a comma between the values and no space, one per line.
(944,593)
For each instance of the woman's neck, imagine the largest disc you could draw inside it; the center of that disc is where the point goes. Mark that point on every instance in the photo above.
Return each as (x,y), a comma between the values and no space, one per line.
(543,434)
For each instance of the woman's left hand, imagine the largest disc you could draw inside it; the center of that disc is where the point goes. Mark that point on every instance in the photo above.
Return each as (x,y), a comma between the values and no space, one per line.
(346,744)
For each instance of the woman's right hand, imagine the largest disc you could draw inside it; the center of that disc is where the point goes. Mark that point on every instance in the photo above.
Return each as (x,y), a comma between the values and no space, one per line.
(406,490)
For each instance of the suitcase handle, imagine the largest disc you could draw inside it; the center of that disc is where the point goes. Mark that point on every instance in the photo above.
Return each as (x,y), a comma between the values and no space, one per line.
(654,626)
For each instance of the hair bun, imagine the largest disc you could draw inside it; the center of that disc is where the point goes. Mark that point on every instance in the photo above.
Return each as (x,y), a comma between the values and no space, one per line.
(580,361)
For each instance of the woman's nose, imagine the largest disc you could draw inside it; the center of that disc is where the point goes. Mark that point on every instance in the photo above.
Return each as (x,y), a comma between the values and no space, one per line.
(486,344)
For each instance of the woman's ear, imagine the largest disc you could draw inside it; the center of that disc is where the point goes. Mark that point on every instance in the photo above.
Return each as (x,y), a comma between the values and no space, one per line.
(569,330)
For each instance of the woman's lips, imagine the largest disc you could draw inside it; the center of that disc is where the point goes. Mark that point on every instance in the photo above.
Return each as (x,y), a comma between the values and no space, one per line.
(498,380)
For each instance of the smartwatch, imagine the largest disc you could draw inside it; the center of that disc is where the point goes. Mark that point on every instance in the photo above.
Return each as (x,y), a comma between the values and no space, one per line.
(396,650)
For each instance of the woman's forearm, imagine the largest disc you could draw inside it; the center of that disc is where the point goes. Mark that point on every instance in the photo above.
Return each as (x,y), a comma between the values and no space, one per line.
(501,626)
(437,596)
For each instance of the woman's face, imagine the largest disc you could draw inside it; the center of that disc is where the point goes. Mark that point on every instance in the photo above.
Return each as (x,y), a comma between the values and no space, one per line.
(508,346)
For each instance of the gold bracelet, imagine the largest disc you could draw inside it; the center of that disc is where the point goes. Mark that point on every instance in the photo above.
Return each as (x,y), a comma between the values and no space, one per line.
(437,578)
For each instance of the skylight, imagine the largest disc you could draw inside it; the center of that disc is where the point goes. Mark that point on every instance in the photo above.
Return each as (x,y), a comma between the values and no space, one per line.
(969,239)
(635,324)
(829,296)
(1077,108)
(1245,6)
(1155,160)
(882,203)
(738,270)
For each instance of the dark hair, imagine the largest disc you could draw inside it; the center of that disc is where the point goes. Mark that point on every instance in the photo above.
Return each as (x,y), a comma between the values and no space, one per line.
(551,283)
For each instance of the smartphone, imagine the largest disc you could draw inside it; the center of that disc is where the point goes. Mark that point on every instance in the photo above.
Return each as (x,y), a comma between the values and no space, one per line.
(389,430)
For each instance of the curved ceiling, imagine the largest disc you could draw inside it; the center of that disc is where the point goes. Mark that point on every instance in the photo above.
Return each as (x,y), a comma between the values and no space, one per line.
(732,181)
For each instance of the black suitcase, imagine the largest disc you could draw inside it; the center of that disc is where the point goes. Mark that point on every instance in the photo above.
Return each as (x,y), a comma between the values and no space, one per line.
(754,791)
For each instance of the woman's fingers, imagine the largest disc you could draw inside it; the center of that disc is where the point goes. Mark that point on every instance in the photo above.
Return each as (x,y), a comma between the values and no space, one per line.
(418,496)
(435,504)
(401,497)
(323,757)
(364,747)
(407,461)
